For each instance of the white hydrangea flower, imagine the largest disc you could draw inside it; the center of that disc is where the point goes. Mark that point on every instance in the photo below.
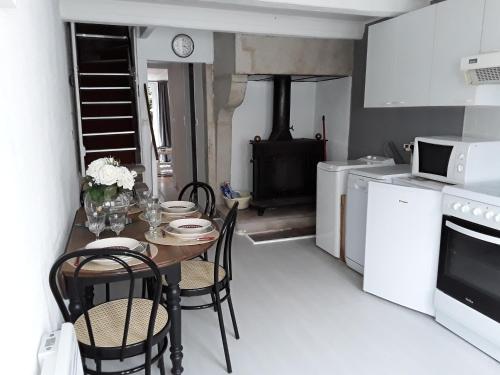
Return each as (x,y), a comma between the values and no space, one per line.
(94,168)
(108,174)
(125,178)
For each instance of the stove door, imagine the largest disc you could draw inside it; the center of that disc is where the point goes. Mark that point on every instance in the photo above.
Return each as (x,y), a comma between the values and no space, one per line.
(469,265)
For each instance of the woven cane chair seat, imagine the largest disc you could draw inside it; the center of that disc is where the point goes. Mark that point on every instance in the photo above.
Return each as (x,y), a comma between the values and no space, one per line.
(196,274)
(108,323)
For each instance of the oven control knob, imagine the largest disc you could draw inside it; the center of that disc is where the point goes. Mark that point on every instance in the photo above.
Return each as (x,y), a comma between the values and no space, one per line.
(477,211)
(489,215)
(456,206)
(460,168)
(465,209)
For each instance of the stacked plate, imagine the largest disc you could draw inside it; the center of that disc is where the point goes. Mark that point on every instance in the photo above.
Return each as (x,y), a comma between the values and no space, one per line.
(129,243)
(190,228)
(181,208)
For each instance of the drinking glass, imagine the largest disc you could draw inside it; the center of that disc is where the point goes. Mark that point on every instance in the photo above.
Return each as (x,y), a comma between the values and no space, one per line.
(142,198)
(96,222)
(153,216)
(117,222)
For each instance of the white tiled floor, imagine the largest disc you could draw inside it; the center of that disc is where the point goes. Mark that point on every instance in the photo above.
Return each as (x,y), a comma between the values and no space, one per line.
(300,311)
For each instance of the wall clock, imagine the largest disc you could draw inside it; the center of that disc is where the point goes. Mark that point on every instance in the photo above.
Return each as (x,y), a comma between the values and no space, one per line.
(182,45)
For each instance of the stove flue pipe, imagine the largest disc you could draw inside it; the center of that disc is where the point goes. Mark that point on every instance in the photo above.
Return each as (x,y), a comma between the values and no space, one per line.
(281,109)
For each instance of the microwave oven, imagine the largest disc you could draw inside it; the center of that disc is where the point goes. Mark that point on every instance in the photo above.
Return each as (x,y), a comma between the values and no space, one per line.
(456,160)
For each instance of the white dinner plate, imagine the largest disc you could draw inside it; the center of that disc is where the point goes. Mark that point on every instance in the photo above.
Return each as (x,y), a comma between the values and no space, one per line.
(209,231)
(129,243)
(178,207)
(187,226)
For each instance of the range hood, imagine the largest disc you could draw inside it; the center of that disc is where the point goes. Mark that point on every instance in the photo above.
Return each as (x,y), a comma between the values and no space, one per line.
(482,69)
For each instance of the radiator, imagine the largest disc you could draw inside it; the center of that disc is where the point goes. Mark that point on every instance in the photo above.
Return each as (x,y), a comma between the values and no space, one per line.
(59,353)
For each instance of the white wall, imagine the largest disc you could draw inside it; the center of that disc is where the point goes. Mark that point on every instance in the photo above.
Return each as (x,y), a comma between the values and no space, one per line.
(254,117)
(482,122)
(39,187)
(333,99)
(157,48)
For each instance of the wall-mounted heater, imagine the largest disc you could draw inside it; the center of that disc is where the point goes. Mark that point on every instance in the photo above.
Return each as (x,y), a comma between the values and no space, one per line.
(59,353)
(482,69)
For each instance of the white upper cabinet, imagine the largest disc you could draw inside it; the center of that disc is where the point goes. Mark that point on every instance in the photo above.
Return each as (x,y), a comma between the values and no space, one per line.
(491,27)
(415,44)
(414,59)
(399,60)
(381,62)
(459,25)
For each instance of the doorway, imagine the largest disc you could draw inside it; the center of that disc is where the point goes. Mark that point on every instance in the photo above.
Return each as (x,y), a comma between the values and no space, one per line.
(176,95)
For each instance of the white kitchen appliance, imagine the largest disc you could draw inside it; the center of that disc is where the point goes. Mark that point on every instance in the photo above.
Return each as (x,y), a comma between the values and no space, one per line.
(482,69)
(467,298)
(331,185)
(456,160)
(403,227)
(357,199)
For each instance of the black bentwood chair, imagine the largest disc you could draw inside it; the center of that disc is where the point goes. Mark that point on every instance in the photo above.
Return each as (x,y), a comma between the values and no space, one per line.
(117,329)
(201,277)
(193,188)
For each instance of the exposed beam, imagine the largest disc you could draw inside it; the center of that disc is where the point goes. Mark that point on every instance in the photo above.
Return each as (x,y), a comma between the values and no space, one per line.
(368,8)
(145,31)
(134,13)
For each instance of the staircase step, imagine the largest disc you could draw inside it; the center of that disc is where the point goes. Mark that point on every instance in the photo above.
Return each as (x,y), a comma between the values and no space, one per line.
(125,156)
(101,36)
(104,81)
(112,110)
(100,126)
(91,28)
(115,141)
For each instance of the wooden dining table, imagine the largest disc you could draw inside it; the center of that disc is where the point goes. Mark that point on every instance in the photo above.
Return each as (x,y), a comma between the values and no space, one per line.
(168,260)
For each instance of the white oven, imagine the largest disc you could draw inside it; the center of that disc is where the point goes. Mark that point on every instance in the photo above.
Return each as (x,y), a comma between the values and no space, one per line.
(456,160)
(467,298)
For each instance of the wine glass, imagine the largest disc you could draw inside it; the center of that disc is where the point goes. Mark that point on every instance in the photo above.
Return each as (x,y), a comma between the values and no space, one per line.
(117,222)
(96,222)
(142,198)
(153,216)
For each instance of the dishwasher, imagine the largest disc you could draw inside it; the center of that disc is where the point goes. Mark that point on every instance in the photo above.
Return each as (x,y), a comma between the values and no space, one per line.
(357,200)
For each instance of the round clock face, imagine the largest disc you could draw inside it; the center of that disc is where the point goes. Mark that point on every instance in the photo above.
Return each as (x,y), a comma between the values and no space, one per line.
(183,45)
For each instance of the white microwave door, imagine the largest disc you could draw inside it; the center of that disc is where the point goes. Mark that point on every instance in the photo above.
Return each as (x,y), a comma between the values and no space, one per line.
(402,244)
(434,161)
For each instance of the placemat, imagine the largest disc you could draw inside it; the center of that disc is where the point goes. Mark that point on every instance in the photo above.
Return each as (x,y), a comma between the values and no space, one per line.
(163,238)
(167,218)
(93,266)
(132,210)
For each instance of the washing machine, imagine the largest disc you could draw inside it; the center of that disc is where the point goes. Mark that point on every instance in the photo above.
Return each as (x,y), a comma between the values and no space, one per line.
(357,200)
(331,185)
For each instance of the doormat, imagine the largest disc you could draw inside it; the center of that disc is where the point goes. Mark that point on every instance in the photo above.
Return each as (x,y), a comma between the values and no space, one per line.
(288,234)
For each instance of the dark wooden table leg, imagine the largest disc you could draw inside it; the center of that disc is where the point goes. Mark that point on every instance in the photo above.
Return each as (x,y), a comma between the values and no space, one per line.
(173,276)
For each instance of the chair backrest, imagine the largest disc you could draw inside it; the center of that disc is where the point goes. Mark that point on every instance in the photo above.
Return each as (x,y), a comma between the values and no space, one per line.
(191,191)
(224,244)
(77,260)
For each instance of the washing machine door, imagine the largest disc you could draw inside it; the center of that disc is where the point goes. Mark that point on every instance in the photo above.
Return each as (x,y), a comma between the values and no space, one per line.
(357,197)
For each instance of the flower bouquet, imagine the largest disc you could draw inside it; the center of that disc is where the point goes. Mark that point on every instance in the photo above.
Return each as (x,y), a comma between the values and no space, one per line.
(105,182)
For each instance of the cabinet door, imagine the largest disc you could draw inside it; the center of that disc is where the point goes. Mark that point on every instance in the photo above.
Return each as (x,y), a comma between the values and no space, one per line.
(458,34)
(491,27)
(379,85)
(415,42)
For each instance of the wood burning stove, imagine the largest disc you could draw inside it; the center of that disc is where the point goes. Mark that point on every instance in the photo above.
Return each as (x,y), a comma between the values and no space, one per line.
(284,169)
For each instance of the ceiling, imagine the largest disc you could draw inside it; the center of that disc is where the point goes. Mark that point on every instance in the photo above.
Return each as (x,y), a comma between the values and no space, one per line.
(352,10)
(333,19)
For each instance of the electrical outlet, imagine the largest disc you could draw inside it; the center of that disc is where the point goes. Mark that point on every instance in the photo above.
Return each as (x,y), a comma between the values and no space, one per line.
(408,147)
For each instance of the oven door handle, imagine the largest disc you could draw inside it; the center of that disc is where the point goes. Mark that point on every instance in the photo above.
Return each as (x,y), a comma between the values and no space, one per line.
(472,233)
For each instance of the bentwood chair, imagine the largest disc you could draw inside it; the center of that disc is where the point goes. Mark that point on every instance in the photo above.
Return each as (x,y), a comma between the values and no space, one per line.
(201,277)
(192,191)
(120,328)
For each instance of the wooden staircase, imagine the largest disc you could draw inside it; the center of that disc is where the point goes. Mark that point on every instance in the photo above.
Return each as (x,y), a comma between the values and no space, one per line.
(104,80)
